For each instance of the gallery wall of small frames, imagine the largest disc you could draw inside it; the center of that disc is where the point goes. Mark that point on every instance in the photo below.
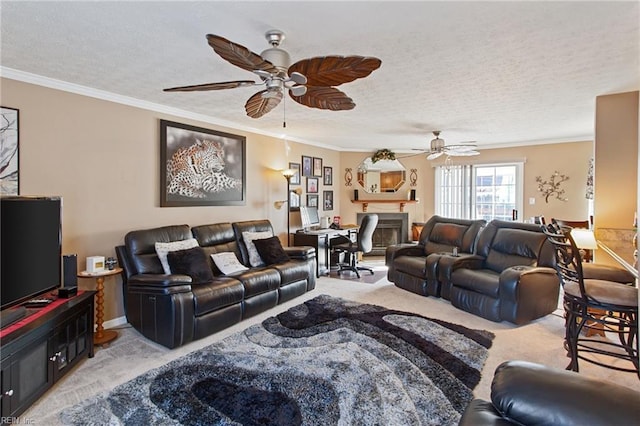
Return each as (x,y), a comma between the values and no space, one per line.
(311,173)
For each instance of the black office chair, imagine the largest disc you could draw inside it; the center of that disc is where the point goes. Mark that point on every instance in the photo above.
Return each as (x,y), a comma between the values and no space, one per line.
(363,244)
(594,304)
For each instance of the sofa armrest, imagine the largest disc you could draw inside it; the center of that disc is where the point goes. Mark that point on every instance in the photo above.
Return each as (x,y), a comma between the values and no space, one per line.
(529,393)
(159,283)
(527,293)
(406,249)
(482,413)
(448,264)
(300,252)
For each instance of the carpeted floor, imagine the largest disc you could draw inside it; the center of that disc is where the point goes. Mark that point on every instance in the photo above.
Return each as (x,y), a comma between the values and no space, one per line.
(132,355)
(326,361)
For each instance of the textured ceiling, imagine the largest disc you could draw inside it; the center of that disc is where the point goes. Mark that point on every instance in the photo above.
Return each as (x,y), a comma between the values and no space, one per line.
(500,73)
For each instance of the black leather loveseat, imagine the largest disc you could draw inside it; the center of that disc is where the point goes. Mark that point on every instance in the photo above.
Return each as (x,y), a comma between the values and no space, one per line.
(511,277)
(415,267)
(523,393)
(174,309)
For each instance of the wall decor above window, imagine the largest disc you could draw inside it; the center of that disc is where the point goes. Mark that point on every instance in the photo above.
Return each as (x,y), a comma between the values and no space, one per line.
(200,167)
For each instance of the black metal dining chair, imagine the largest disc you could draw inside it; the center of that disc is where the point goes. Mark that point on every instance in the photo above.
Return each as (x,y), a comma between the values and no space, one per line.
(364,244)
(594,304)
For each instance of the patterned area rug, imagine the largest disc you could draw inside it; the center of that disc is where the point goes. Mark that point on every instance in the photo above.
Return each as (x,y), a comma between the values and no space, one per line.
(327,361)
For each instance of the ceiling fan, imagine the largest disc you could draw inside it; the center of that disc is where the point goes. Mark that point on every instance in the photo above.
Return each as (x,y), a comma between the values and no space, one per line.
(310,82)
(438,147)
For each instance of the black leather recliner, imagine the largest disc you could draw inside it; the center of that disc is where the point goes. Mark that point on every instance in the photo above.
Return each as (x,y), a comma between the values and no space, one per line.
(524,393)
(415,267)
(172,311)
(511,277)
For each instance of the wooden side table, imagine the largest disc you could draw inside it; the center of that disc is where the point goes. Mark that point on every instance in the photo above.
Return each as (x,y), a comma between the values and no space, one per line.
(101,336)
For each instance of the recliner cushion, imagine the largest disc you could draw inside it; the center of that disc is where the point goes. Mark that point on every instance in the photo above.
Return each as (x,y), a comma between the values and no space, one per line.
(413,265)
(514,247)
(192,262)
(448,233)
(271,251)
(483,281)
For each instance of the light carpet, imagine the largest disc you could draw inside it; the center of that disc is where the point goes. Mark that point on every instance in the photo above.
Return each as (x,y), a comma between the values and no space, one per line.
(131,354)
(326,361)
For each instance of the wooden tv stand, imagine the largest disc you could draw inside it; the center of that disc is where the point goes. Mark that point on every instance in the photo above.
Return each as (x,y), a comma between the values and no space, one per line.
(37,354)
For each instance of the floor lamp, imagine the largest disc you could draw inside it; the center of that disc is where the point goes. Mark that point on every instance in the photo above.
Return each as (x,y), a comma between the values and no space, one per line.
(288,174)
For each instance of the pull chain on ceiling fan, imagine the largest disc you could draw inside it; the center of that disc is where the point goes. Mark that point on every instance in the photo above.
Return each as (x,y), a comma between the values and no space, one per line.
(310,82)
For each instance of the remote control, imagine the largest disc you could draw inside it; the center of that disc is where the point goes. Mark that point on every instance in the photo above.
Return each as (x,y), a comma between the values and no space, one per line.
(35,303)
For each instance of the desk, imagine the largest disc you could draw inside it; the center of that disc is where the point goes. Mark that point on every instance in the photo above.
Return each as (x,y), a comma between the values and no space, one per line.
(320,241)
(101,336)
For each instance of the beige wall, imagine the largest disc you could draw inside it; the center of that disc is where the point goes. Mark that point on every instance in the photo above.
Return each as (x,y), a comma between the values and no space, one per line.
(103,159)
(571,159)
(616,191)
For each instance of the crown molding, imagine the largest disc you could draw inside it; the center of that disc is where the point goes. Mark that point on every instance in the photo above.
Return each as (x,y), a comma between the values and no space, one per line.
(104,95)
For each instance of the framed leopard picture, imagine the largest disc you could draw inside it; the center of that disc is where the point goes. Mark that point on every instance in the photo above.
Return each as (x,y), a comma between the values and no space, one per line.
(201,167)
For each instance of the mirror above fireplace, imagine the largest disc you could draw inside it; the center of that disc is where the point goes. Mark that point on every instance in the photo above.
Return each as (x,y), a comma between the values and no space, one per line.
(381,176)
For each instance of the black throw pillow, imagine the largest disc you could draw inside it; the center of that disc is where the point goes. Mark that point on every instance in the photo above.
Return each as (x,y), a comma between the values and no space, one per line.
(271,251)
(192,262)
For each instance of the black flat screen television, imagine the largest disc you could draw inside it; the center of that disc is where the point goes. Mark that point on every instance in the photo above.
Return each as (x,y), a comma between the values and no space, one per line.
(31,247)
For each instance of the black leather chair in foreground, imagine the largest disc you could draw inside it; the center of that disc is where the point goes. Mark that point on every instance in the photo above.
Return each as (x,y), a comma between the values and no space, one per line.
(523,393)
(364,244)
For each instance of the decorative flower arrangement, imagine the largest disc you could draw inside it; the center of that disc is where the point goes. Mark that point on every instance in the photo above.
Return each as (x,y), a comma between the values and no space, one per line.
(383,154)
(552,186)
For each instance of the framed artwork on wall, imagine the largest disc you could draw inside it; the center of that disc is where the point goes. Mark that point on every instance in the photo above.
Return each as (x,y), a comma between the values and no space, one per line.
(294,201)
(317,167)
(9,152)
(295,179)
(312,185)
(312,200)
(307,166)
(201,167)
(327,200)
(328,175)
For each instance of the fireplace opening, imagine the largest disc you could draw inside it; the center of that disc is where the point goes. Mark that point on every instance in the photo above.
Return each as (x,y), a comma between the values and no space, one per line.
(392,228)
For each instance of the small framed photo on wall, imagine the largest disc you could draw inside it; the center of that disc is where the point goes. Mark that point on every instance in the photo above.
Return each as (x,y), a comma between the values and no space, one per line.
(307,166)
(295,179)
(328,176)
(327,200)
(312,185)
(317,166)
(312,200)
(294,201)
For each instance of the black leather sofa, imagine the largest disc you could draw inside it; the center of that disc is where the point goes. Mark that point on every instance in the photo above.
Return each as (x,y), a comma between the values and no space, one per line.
(415,267)
(511,277)
(523,393)
(171,310)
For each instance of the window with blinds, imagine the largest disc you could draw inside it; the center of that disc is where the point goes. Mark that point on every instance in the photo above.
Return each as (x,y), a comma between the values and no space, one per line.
(479,191)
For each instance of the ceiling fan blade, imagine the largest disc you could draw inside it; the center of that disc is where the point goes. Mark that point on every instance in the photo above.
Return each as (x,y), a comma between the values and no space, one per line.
(434,155)
(324,98)
(212,86)
(455,153)
(258,105)
(335,70)
(239,55)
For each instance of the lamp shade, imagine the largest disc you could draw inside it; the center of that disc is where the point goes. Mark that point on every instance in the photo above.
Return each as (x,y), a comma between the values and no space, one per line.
(288,173)
(584,239)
